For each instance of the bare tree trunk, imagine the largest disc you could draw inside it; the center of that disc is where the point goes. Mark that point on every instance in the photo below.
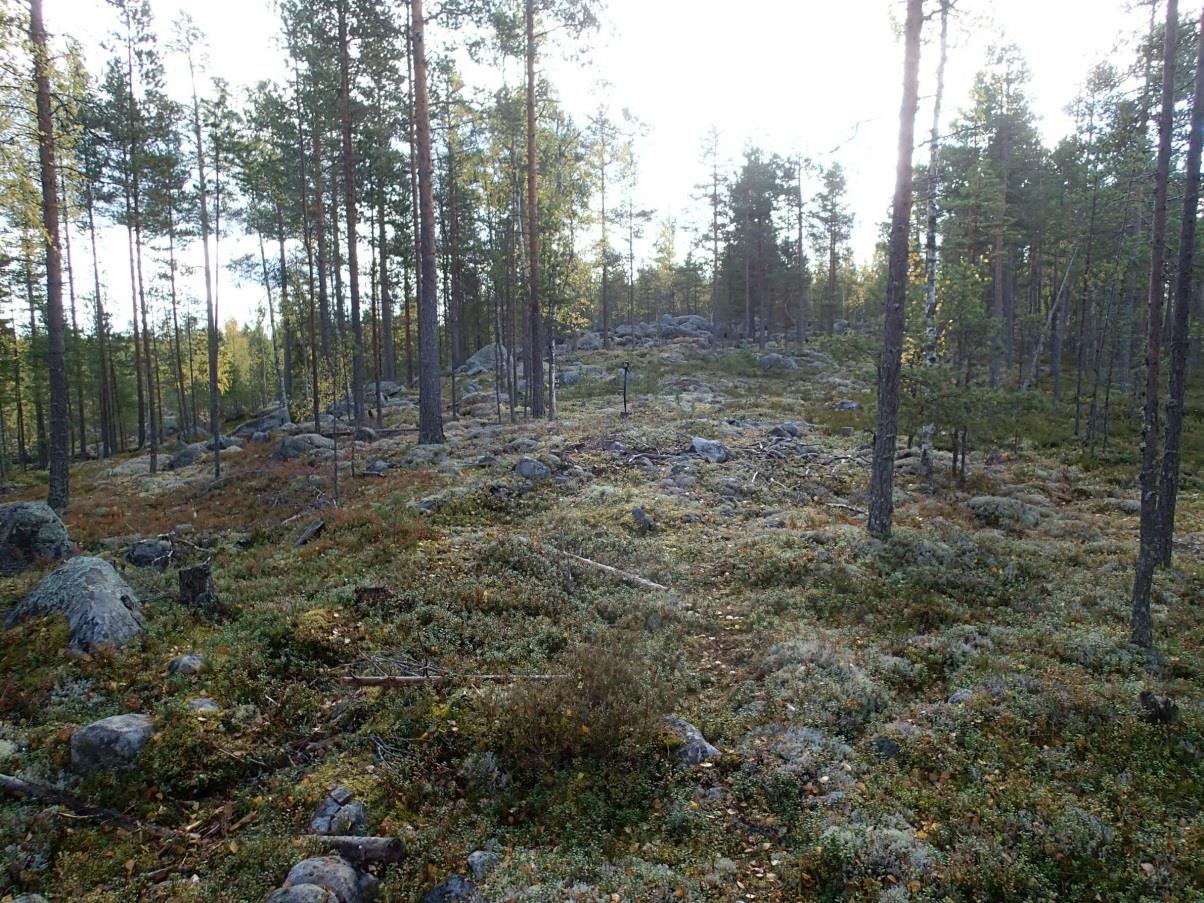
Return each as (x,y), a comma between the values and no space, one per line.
(1168,491)
(214,398)
(353,276)
(928,430)
(77,354)
(182,420)
(881,482)
(534,312)
(60,451)
(430,407)
(1147,556)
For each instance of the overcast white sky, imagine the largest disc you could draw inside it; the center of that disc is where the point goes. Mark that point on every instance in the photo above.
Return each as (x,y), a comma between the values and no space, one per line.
(811,76)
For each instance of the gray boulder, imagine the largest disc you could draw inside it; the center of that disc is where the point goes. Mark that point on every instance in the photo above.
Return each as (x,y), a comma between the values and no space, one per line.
(590,341)
(111,742)
(29,531)
(774,361)
(301,893)
(454,890)
(150,553)
(336,875)
(203,705)
(301,445)
(189,663)
(485,360)
(692,747)
(100,607)
(339,813)
(481,862)
(711,449)
(532,470)
(266,422)
(188,455)
(846,404)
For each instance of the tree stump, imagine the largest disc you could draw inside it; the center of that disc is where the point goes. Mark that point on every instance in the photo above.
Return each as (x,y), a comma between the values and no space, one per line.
(197,589)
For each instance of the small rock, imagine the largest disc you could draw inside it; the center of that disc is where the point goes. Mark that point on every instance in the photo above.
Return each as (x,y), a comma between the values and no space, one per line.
(453,890)
(339,813)
(787,430)
(532,470)
(846,404)
(481,861)
(377,467)
(365,434)
(188,663)
(693,747)
(644,522)
(710,449)
(203,705)
(150,553)
(310,533)
(111,742)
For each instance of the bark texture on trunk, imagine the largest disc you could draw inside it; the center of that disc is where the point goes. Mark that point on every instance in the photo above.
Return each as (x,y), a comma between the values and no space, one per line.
(1147,555)
(882,477)
(60,452)
(430,406)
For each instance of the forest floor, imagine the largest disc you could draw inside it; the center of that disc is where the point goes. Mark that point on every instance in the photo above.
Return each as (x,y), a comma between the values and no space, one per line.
(951,715)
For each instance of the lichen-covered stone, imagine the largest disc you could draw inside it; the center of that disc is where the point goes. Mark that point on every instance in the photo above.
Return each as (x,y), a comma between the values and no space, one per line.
(111,742)
(100,607)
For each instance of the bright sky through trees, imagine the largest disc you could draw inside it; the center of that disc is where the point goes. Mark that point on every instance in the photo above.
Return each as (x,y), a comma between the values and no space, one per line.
(809,76)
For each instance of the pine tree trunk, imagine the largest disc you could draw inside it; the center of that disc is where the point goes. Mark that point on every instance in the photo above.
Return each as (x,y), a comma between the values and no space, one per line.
(210,306)
(534,311)
(1147,556)
(60,451)
(1168,491)
(882,478)
(353,278)
(430,407)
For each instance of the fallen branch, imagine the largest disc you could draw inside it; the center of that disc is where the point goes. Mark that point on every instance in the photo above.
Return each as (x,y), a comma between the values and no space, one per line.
(625,576)
(405,680)
(22,789)
(360,850)
(843,507)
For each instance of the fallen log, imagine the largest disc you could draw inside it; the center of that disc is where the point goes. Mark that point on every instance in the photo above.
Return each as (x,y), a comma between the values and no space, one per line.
(405,680)
(360,850)
(626,576)
(20,788)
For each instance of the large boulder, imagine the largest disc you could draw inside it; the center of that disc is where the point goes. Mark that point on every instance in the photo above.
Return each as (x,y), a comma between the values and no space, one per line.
(187,456)
(590,341)
(266,422)
(100,607)
(485,360)
(775,361)
(303,444)
(111,742)
(29,531)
